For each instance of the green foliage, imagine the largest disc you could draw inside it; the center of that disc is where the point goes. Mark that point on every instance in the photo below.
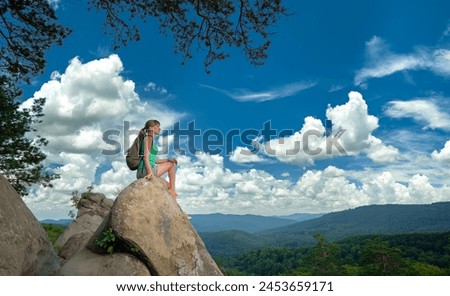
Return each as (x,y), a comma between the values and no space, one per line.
(266,261)
(322,259)
(21,158)
(423,268)
(379,258)
(27,29)
(231,242)
(406,254)
(213,25)
(395,219)
(53,231)
(107,241)
(135,250)
(76,200)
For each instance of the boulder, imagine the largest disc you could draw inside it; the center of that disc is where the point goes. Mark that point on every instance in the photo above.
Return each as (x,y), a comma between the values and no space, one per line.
(87,263)
(147,222)
(93,209)
(24,244)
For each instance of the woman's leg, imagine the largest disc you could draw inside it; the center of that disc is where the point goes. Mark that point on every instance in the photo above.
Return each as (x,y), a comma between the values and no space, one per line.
(169,168)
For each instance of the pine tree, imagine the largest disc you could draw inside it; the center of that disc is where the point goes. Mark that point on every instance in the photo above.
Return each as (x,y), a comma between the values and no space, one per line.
(27,29)
(21,158)
(323,259)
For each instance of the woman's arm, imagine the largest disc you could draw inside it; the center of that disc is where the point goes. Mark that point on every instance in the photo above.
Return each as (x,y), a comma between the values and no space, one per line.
(163,160)
(147,145)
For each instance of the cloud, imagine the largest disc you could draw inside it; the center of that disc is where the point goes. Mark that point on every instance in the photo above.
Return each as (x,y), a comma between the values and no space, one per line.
(447,31)
(351,135)
(336,87)
(77,172)
(244,95)
(441,62)
(152,87)
(381,153)
(115,179)
(205,185)
(421,110)
(54,3)
(91,113)
(381,62)
(89,99)
(244,155)
(444,154)
(384,189)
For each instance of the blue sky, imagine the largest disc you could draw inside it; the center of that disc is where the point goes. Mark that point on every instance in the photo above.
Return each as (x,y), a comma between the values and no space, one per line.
(378,69)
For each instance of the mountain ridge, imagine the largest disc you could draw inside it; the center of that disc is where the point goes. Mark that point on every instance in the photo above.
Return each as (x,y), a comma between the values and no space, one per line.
(217,222)
(372,219)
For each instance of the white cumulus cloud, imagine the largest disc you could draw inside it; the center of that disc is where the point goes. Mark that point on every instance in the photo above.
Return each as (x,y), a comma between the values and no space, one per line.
(244,155)
(444,154)
(351,135)
(84,104)
(205,186)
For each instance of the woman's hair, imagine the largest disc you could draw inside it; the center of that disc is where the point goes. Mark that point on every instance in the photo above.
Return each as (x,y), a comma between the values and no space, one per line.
(148,124)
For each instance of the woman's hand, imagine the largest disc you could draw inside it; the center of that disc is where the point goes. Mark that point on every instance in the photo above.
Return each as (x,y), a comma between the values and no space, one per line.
(149,176)
(173,160)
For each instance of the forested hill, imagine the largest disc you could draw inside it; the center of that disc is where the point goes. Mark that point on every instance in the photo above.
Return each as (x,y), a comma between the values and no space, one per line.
(249,223)
(374,219)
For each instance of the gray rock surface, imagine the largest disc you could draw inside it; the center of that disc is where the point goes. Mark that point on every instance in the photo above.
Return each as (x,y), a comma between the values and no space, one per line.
(146,218)
(151,235)
(94,207)
(24,245)
(87,263)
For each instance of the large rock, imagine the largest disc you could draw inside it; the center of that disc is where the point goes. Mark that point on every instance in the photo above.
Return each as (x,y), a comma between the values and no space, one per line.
(87,263)
(24,245)
(145,218)
(93,209)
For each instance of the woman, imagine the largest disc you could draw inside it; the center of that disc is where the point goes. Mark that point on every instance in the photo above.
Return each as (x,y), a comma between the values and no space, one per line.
(149,165)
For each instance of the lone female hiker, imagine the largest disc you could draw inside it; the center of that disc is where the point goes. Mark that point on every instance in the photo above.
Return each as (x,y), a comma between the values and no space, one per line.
(149,165)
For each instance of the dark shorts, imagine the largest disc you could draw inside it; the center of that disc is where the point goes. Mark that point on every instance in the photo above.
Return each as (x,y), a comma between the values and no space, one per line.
(141,173)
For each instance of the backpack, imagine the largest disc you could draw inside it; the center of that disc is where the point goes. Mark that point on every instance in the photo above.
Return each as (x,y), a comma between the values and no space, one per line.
(134,155)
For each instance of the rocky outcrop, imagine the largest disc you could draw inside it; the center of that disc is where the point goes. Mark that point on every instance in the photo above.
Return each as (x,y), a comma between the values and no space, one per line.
(87,263)
(24,246)
(147,223)
(142,232)
(93,208)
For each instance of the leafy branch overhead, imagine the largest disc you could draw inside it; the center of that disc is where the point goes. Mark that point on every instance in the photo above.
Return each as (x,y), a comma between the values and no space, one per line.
(214,25)
(27,29)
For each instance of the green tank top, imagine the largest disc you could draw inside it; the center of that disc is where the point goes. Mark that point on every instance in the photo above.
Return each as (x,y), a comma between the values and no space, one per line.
(151,156)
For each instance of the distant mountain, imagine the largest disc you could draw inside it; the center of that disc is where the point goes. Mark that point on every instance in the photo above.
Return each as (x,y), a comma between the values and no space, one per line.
(299,217)
(247,223)
(63,222)
(374,219)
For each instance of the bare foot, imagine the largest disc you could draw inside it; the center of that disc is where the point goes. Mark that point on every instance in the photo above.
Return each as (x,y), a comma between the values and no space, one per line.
(174,194)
